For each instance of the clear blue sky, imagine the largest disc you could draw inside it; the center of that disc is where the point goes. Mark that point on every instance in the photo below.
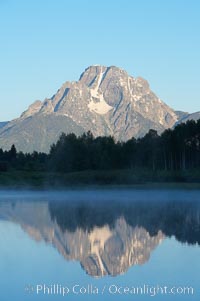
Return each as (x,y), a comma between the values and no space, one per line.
(45,43)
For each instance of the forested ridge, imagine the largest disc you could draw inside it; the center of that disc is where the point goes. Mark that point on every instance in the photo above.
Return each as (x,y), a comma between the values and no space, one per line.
(175,149)
(179,219)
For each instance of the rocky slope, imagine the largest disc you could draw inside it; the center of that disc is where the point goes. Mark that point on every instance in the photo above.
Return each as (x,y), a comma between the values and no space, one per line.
(194,116)
(105,100)
(105,238)
(100,251)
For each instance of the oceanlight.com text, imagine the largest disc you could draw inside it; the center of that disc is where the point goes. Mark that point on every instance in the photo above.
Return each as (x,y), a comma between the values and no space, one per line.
(112,289)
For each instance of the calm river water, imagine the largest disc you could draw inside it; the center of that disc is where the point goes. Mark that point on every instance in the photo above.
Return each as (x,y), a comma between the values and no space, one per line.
(100,245)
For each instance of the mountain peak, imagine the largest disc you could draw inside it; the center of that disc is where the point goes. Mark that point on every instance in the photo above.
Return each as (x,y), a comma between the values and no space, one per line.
(32,109)
(105,101)
(101,68)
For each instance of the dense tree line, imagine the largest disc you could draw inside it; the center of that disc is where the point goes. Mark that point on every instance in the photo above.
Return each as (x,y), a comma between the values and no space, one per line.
(12,159)
(175,149)
(179,219)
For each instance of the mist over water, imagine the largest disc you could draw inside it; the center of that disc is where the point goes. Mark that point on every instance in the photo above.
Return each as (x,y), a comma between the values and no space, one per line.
(102,194)
(99,237)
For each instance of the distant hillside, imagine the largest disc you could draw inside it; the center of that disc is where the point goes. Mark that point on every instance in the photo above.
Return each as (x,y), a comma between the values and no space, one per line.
(105,100)
(194,116)
(2,124)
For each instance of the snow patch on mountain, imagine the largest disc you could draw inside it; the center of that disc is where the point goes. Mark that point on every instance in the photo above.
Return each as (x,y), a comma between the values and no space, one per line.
(105,101)
(100,107)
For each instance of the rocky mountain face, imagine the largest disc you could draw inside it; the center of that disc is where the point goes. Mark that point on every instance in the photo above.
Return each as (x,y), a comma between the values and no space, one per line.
(106,238)
(105,101)
(114,251)
(181,115)
(100,251)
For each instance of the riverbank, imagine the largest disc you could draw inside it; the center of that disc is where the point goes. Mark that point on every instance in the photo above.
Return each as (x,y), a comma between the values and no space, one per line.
(112,178)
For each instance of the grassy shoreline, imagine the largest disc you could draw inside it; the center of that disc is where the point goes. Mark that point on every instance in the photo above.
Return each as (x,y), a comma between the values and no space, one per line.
(112,179)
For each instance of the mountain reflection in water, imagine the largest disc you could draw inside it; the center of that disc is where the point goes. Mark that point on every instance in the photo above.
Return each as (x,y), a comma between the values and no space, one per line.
(106,238)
